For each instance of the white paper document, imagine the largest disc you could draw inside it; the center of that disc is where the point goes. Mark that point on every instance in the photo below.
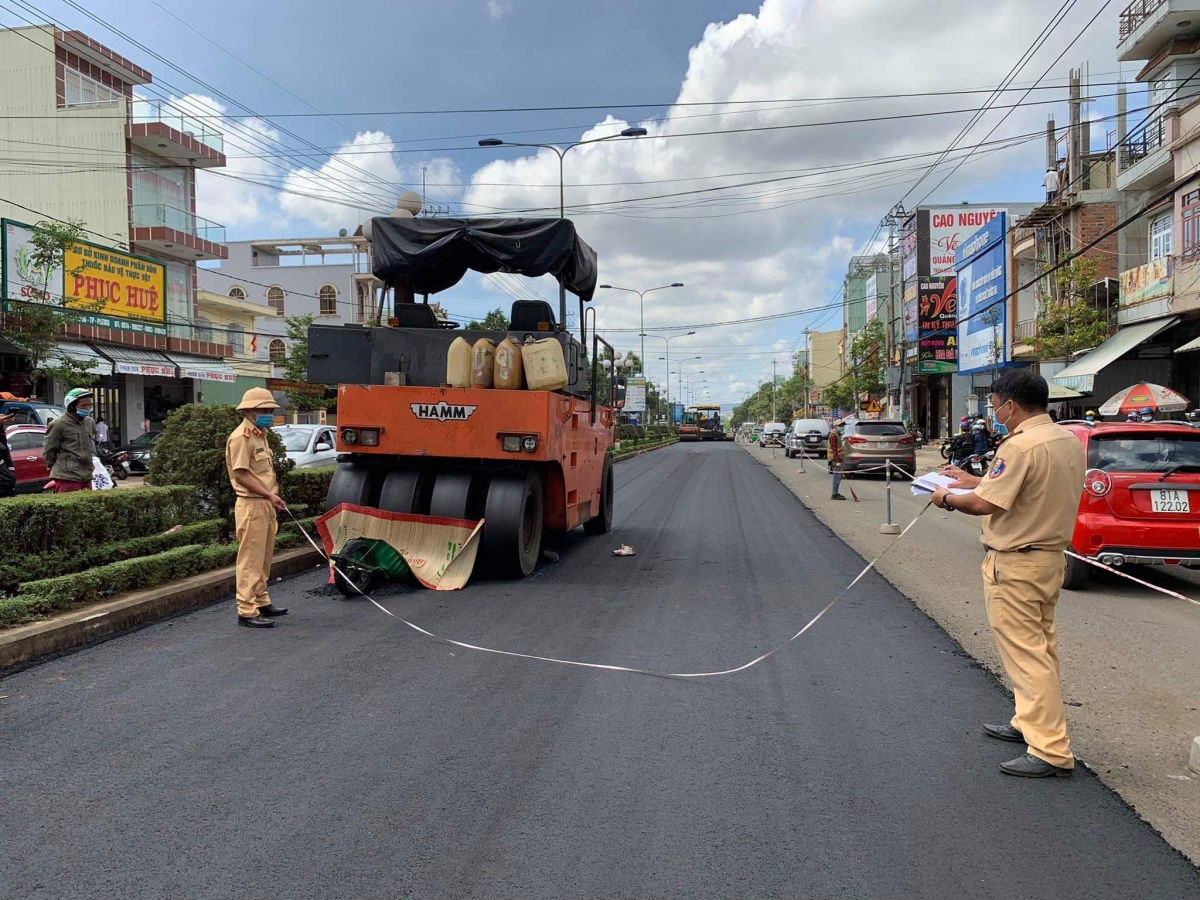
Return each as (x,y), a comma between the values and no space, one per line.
(924,485)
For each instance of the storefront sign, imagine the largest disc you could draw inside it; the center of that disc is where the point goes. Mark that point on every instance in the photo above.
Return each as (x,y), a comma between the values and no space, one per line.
(24,281)
(936,235)
(1143,285)
(128,368)
(982,307)
(208,375)
(872,296)
(938,325)
(911,331)
(119,291)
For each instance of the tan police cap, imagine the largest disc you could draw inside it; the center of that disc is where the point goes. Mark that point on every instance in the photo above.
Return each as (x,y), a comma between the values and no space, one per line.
(257,398)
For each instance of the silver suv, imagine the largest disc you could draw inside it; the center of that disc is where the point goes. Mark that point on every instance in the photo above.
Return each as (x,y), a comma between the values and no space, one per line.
(807,436)
(772,433)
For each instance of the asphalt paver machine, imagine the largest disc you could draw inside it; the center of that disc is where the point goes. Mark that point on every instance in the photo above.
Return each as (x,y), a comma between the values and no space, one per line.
(524,461)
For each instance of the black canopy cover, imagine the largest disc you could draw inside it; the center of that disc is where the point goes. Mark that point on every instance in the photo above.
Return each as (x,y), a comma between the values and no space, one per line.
(436,253)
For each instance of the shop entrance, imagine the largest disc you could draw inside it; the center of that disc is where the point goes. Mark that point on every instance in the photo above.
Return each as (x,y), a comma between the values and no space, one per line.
(163,396)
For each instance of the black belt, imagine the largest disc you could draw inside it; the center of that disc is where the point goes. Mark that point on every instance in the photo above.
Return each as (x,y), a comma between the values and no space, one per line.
(1019,549)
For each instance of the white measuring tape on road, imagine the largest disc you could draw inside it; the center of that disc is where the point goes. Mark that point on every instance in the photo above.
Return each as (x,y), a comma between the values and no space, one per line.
(602,666)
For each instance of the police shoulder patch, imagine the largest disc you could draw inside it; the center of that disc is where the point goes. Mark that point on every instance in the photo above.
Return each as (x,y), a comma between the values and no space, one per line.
(997,469)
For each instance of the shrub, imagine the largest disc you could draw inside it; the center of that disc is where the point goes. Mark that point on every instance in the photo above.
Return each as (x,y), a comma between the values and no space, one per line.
(191,451)
(308,487)
(66,560)
(37,524)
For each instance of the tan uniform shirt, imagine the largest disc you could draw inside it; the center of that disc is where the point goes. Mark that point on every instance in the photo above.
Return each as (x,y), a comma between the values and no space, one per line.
(247,449)
(1036,479)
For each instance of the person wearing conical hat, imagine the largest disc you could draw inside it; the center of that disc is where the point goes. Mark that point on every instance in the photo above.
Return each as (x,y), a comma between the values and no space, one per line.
(251,467)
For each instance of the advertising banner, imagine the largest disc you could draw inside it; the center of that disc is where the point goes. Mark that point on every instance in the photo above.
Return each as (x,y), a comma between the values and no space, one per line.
(872,296)
(677,413)
(938,326)
(982,310)
(911,331)
(635,395)
(22,279)
(122,292)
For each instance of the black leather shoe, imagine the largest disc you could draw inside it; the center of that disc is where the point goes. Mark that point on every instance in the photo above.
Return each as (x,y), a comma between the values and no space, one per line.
(1029,766)
(255,622)
(836,497)
(1004,732)
(271,610)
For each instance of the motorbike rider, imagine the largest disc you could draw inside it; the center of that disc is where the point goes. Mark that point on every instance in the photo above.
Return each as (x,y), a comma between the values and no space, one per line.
(963,444)
(1146,415)
(979,438)
(1091,417)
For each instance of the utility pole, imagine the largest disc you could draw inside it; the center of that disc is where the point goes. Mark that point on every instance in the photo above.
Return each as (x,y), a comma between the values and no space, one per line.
(807,382)
(1074,150)
(774,378)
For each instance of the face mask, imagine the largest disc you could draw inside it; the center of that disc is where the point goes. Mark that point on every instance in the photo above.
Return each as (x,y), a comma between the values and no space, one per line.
(1000,428)
(264,420)
(82,413)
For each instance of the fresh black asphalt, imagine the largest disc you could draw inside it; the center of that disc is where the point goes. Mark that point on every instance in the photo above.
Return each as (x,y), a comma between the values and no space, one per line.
(342,755)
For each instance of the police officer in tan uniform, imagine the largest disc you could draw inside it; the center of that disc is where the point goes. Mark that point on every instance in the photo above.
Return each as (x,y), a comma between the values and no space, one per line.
(251,469)
(1029,500)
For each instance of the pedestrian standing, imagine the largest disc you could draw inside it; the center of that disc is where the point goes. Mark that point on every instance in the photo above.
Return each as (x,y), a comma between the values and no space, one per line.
(1051,183)
(835,457)
(101,432)
(69,446)
(251,467)
(1029,500)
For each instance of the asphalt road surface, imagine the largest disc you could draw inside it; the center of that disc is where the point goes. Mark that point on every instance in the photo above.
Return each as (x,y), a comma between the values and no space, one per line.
(342,755)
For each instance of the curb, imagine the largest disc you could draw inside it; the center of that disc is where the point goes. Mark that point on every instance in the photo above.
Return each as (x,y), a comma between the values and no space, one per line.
(632,453)
(96,621)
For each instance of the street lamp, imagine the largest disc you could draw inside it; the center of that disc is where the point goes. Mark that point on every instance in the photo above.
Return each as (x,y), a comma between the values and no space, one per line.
(642,308)
(679,371)
(667,341)
(632,131)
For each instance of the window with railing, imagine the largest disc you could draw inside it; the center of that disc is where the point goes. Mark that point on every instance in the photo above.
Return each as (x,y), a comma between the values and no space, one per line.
(1143,142)
(1160,237)
(1190,216)
(275,298)
(80,90)
(328,298)
(1134,15)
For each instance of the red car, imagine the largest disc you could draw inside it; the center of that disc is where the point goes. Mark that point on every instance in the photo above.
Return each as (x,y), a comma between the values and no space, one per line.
(1141,500)
(25,443)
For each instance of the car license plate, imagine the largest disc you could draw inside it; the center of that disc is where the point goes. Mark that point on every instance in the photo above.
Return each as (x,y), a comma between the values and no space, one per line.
(1165,501)
(886,445)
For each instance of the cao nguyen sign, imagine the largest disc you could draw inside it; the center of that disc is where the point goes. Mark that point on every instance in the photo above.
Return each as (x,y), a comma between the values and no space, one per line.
(122,292)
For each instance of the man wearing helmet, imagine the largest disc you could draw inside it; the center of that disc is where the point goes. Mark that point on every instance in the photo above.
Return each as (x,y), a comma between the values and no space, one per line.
(69,445)
(1090,416)
(251,467)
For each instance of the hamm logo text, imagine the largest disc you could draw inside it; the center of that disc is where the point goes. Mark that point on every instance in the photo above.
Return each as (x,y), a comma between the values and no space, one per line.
(443,411)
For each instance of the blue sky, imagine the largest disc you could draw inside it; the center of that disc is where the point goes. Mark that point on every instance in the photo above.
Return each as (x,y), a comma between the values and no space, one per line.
(742,252)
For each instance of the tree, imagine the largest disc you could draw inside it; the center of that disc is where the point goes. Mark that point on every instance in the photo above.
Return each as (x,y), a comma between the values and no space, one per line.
(496,320)
(1067,321)
(301,394)
(35,326)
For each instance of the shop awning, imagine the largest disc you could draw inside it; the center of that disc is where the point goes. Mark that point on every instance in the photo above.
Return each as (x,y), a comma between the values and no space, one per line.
(1060,392)
(203,367)
(1081,374)
(82,353)
(130,361)
(1190,345)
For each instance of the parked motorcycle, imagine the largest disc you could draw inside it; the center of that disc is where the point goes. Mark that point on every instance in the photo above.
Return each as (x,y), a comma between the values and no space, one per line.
(116,461)
(945,448)
(978,465)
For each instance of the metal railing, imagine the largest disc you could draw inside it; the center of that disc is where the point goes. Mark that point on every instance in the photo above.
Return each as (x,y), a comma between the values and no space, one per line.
(1134,15)
(1025,331)
(145,111)
(1143,142)
(156,215)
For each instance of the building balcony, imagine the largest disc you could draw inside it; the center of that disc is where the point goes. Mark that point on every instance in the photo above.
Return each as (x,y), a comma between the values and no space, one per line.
(159,129)
(1146,25)
(1024,341)
(1147,292)
(1145,158)
(174,232)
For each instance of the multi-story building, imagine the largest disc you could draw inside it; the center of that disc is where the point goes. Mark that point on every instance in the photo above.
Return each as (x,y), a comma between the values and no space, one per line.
(825,363)
(236,323)
(328,278)
(1158,180)
(83,147)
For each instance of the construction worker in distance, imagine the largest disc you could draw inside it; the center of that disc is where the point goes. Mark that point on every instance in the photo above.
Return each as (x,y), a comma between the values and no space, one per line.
(69,446)
(835,457)
(1029,499)
(251,467)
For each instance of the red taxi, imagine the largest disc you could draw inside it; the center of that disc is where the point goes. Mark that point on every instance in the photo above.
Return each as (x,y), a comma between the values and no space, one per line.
(1141,499)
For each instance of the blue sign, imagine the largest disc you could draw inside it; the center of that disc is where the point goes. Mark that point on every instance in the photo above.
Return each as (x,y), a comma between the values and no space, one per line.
(677,413)
(982,264)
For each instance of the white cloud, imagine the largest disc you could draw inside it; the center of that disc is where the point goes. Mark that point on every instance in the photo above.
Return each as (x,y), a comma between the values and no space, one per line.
(766,248)
(498,9)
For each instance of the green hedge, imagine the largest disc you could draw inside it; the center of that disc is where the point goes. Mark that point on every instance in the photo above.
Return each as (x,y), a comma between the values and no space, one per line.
(307,486)
(66,560)
(48,595)
(36,524)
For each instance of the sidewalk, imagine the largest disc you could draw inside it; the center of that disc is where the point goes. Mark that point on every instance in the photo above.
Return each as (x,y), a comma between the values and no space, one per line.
(1128,654)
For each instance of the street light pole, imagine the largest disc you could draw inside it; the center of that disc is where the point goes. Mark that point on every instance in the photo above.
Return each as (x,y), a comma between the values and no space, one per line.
(642,308)
(667,341)
(632,131)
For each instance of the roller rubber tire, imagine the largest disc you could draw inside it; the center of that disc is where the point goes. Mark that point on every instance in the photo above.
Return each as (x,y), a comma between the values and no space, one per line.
(451,496)
(602,522)
(351,483)
(512,529)
(402,491)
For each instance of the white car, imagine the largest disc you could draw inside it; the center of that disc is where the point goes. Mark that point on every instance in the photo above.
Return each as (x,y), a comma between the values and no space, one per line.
(308,445)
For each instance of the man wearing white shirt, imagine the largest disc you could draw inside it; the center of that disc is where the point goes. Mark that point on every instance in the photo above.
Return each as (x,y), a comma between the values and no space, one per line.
(1051,183)
(102,433)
